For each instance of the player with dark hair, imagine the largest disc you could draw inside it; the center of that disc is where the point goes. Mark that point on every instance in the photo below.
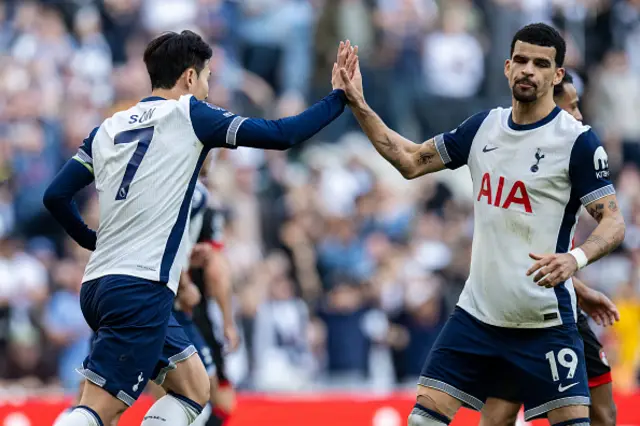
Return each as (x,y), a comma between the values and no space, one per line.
(145,163)
(533,166)
(603,407)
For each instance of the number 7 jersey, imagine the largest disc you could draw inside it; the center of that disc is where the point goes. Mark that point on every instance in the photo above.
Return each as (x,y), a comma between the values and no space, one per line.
(146,161)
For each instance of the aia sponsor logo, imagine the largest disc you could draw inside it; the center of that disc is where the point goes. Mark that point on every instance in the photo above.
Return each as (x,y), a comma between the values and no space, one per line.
(493,193)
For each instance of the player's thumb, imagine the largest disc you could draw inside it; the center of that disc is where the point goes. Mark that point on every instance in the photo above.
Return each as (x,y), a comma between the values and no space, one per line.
(535,256)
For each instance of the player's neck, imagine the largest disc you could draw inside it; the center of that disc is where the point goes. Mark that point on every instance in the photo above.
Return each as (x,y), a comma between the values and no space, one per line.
(532,112)
(173,93)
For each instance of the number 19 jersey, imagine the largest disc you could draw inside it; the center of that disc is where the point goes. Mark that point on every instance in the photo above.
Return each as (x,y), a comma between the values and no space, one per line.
(145,161)
(529,182)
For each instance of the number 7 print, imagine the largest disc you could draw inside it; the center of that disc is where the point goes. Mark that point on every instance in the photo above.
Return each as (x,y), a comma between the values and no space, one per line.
(143,137)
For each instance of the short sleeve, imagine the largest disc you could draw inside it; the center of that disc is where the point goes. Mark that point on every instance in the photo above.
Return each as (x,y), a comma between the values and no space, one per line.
(454,146)
(84,155)
(214,126)
(589,169)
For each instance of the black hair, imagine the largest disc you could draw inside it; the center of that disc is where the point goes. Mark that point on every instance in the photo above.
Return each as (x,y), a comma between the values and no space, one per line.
(169,55)
(542,35)
(558,89)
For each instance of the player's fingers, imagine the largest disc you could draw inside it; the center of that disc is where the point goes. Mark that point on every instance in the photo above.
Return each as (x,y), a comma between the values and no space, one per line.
(610,319)
(551,280)
(539,264)
(544,271)
(597,318)
(351,65)
(535,256)
(345,54)
(345,79)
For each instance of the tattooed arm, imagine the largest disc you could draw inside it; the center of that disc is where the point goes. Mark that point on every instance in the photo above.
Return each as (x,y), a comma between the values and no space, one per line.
(410,159)
(610,230)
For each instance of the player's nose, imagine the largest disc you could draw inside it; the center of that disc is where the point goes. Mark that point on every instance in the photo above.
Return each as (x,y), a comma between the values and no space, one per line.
(529,69)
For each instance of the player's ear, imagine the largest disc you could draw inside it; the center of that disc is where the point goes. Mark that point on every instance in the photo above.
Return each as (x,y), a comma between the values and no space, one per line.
(190,77)
(559,76)
(507,68)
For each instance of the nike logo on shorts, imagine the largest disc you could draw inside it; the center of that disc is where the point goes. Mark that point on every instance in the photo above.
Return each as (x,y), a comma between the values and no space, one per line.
(564,388)
(489,149)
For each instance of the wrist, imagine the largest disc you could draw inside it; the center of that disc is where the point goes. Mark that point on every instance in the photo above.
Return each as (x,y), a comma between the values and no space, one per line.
(580,257)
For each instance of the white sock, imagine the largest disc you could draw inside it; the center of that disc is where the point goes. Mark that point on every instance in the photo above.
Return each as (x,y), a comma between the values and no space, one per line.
(170,410)
(201,420)
(80,416)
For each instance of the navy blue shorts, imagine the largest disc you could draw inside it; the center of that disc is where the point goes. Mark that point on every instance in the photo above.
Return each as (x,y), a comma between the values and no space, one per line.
(195,337)
(543,369)
(136,336)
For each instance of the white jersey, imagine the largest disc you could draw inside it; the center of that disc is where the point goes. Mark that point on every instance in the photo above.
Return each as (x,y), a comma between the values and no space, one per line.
(529,182)
(146,161)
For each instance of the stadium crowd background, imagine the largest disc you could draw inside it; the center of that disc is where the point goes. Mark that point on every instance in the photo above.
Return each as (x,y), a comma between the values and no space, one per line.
(343,272)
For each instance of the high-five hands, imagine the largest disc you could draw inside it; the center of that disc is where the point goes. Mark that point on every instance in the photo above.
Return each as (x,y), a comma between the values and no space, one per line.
(346,71)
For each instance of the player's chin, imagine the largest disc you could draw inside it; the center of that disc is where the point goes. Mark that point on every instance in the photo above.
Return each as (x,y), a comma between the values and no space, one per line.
(525,95)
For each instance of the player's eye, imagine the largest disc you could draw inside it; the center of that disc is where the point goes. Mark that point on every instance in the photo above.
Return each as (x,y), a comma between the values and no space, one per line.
(543,63)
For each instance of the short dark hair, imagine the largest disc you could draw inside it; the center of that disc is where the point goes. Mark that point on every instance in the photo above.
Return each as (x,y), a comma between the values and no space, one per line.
(542,35)
(558,89)
(169,55)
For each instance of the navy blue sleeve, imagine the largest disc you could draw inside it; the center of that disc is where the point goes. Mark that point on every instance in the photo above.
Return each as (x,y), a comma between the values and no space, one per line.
(84,155)
(589,169)
(58,199)
(216,127)
(454,146)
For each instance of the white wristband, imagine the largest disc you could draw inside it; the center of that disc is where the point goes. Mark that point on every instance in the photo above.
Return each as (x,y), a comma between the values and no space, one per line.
(580,257)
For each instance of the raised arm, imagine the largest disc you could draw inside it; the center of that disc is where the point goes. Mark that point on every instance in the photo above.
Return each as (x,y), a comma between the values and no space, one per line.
(410,159)
(216,127)
(448,150)
(76,174)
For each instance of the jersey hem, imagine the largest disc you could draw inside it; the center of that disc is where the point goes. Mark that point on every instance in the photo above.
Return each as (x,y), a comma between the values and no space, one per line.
(94,276)
(505,324)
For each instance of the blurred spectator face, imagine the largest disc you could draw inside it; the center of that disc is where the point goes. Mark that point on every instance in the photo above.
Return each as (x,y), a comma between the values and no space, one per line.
(569,101)
(532,71)
(345,298)
(281,289)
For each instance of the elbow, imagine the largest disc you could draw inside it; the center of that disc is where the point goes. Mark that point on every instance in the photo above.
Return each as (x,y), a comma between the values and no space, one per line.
(50,198)
(409,173)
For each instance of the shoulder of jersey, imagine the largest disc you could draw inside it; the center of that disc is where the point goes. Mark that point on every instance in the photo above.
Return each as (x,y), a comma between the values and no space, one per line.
(567,125)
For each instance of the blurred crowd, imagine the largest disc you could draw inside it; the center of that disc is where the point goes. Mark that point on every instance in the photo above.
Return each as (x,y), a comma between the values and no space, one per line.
(343,272)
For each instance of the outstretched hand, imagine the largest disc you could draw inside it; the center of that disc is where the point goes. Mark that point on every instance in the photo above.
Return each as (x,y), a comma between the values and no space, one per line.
(346,72)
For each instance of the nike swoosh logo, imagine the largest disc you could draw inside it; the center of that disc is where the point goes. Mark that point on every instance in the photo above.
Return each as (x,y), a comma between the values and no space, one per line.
(564,388)
(487,149)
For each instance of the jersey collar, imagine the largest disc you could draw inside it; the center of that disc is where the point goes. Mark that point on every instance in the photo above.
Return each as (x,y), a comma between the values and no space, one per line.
(535,125)
(152,98)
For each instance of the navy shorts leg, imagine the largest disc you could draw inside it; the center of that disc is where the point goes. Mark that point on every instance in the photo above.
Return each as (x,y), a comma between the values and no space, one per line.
(196,338)
(129,316)
(464,360)
(550,365)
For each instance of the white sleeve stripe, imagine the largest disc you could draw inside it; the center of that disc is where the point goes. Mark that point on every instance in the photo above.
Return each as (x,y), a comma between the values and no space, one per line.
(82,155)
(597,194)
(232,130)
(441,147)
